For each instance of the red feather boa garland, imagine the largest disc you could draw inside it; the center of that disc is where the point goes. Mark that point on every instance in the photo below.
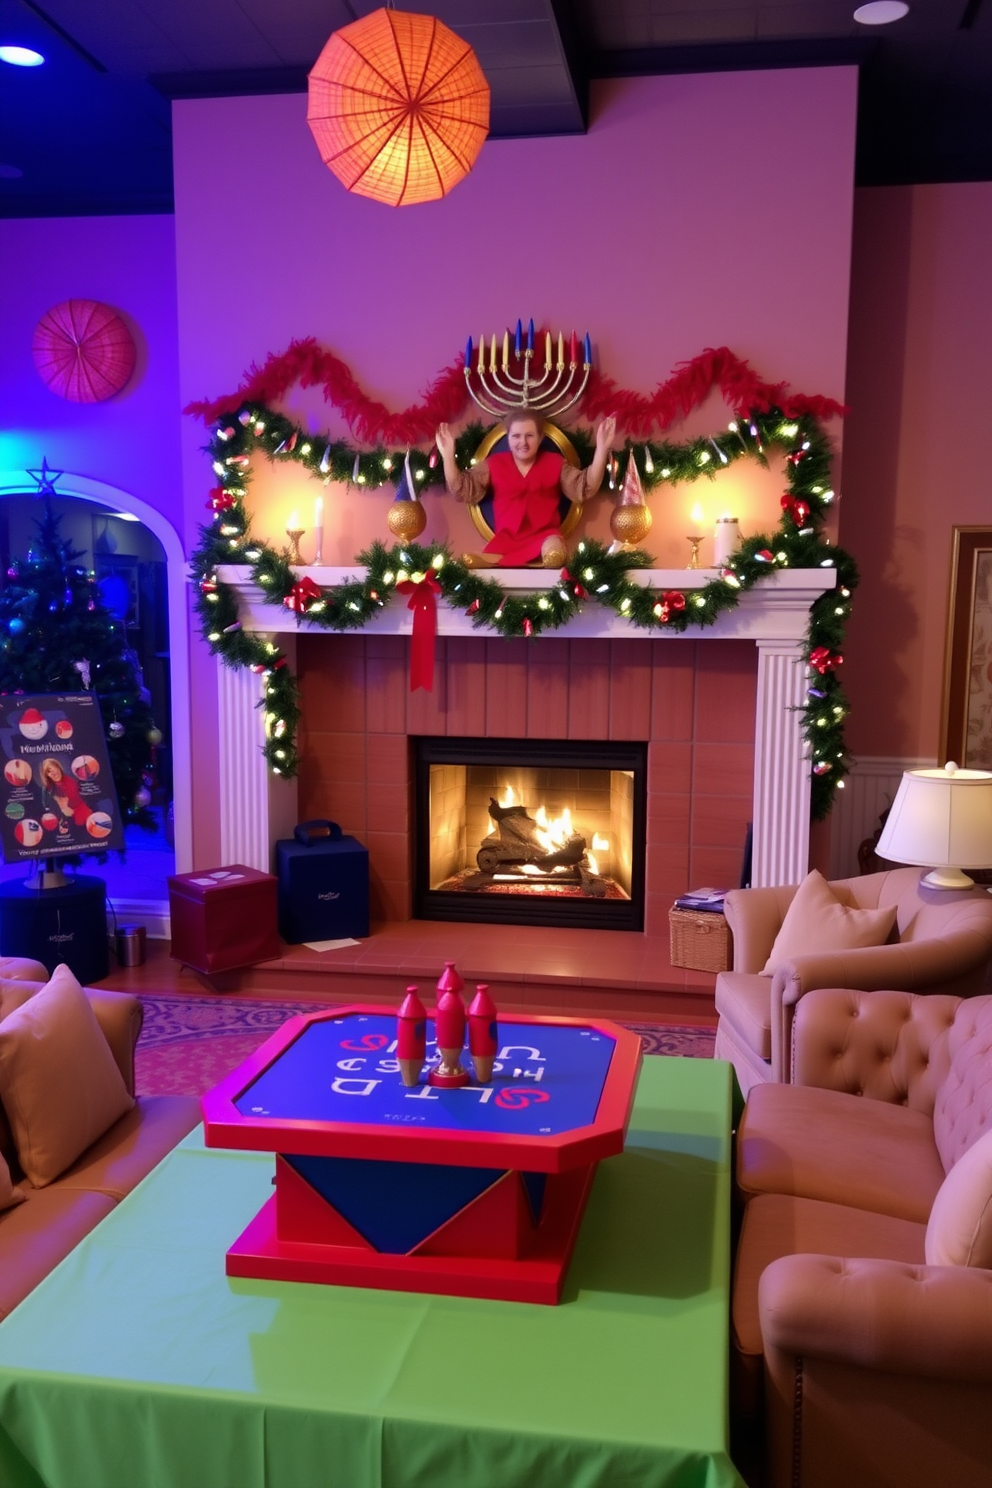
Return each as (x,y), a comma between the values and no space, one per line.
(371,422)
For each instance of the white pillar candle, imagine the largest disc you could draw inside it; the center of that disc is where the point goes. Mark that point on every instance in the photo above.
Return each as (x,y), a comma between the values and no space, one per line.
(726,536)
(318,529)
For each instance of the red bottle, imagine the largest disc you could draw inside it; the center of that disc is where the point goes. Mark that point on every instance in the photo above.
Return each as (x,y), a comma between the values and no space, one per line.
(411,1037)
(483,1036)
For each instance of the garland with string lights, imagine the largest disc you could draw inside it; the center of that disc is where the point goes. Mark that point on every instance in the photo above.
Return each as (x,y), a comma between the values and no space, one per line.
(593,575)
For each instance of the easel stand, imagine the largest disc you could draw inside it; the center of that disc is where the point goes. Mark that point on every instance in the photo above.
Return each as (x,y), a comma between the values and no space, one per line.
(55,918)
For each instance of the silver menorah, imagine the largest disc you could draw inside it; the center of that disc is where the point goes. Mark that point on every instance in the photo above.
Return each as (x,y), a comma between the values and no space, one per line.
(502,383)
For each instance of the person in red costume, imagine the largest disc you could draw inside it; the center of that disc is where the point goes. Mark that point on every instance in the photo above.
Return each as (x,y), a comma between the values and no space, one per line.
(527,485)
(63,791)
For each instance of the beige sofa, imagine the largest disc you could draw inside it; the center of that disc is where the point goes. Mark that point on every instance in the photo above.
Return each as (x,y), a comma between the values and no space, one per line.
(35,1235)
(870,1367)
(941,940)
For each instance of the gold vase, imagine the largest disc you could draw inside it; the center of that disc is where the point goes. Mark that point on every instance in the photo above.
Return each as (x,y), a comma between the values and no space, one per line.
(406,519)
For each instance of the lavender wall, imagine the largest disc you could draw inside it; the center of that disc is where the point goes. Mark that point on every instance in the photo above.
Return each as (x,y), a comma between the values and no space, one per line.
(132,440)
(920,390)
(697,211)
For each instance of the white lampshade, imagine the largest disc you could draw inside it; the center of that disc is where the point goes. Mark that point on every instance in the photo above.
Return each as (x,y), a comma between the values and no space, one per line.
(941,819)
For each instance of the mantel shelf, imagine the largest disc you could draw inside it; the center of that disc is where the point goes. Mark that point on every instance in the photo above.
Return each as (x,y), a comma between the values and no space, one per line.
(776,609)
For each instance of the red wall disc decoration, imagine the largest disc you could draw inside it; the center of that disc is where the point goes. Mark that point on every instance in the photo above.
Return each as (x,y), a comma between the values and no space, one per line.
(83,351)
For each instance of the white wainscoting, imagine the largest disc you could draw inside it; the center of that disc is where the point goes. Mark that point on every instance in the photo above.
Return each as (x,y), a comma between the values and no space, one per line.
(869,789)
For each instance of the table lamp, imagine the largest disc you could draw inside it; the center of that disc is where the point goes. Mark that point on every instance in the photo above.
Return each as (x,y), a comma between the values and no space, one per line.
(941,819)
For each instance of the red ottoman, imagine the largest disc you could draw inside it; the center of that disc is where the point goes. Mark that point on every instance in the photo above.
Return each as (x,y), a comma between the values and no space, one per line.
(223,918)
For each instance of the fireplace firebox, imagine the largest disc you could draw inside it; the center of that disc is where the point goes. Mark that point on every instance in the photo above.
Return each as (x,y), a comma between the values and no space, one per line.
(530,831)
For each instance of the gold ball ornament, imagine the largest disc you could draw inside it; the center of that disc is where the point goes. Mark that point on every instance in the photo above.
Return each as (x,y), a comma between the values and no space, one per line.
(630,524)
(553,551)
(406,520)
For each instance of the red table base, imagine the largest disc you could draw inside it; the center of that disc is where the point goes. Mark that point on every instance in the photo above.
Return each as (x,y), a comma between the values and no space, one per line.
(492,1248)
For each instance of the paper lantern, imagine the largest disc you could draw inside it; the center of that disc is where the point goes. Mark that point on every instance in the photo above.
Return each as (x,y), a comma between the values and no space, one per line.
(399,107)
(83,351)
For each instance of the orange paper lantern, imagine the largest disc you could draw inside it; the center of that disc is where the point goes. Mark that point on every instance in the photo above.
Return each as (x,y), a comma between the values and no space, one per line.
(83,351)
(399,107)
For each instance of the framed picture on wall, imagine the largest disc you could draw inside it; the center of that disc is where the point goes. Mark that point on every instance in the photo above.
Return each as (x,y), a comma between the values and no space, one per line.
(966,725)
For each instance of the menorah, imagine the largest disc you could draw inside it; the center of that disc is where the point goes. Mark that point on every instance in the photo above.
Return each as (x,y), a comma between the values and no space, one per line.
(506,383)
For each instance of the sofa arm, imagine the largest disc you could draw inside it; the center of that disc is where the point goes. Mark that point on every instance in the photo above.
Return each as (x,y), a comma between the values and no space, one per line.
(120,1017)
(905,966)
(934,1321)
(877,1044)
(755,917)
(909,966)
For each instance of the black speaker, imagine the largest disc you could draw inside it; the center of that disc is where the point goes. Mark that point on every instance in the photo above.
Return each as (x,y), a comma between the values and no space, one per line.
(52,925)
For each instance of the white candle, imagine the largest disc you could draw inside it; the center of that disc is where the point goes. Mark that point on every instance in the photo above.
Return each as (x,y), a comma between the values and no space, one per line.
(318,529)
(726,536)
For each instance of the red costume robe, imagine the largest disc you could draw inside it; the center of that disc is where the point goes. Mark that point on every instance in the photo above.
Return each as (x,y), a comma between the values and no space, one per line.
(525,507)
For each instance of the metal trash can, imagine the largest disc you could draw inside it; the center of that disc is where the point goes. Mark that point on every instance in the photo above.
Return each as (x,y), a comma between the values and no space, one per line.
(129,945)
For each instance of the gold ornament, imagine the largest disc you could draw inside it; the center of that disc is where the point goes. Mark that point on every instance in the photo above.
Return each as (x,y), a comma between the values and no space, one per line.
(406,520)
(631,519)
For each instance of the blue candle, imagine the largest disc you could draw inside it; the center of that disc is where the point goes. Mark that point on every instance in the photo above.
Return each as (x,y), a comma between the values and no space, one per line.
(530,337)
(588,350)
(517,338)
(468,352)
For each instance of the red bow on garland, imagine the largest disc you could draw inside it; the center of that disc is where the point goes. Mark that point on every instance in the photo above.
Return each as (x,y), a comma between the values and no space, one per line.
(671,599)
(577,588)
(797,510)
(822,659)
(423,594)
(300,594)
(220,500)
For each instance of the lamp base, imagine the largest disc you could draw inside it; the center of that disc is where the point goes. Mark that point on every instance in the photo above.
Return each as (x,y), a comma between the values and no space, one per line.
(947,878)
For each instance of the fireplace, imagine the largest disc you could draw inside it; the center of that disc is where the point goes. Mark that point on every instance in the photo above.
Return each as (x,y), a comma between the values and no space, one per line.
(530,831)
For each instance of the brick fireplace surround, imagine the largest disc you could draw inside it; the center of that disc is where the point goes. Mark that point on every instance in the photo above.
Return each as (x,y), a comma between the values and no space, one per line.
(702,703)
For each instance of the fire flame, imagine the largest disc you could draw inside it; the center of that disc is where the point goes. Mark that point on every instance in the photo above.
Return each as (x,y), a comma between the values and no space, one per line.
(593,865)
(555,831)
(601,844)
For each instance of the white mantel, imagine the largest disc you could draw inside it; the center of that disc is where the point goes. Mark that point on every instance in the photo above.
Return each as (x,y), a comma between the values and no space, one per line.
(257,808)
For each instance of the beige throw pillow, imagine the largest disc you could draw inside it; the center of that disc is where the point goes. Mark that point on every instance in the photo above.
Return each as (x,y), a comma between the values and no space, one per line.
(959,1231)
(816,921)
(9,1195)
(59,1082)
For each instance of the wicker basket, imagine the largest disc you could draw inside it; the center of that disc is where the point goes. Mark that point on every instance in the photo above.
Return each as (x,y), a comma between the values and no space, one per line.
(700,940)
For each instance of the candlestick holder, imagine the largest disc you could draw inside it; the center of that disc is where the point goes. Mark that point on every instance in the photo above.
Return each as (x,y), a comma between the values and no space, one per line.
(695,539)
(294,534)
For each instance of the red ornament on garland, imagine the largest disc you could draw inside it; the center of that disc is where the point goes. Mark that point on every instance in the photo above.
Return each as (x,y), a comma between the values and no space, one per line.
(220,500)
(83,351)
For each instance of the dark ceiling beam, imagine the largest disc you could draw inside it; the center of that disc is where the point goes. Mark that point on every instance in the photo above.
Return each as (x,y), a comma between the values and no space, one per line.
(733,56)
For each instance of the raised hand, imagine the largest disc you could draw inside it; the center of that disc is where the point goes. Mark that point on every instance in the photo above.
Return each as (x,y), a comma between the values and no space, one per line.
(445,441)
(605,435)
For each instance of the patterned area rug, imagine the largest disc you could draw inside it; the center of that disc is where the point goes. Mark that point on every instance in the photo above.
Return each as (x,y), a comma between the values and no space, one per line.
(188,1044)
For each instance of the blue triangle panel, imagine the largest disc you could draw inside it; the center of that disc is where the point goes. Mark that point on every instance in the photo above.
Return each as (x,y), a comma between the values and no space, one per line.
(534,1186)
(394,1205)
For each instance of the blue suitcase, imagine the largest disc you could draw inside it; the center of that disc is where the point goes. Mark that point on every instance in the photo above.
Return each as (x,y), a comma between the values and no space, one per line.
(323,884)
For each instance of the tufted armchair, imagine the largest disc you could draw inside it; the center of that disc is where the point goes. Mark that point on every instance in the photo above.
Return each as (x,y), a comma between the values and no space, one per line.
(862,1308)
(941,940)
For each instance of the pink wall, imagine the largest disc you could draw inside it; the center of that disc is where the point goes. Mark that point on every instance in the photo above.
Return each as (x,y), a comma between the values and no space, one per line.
(915,456)
(671,226)
(132,440)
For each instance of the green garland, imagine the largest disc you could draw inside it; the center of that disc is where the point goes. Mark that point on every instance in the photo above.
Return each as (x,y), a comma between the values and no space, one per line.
(592,575)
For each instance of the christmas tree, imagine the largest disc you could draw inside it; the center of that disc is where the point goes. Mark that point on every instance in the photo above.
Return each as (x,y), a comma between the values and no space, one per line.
(56,635)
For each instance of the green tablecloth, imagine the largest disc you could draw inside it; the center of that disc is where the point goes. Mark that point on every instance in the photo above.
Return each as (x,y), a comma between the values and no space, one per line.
(139,1364)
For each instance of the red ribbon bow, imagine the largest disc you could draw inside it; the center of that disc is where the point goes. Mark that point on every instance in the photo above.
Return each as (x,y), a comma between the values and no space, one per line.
(798,510)
(671,599)
(302,591)
(580,593)
(423,602)
(220,500)
(822,659)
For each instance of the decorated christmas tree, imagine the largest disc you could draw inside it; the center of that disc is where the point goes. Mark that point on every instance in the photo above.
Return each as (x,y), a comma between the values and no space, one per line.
(56,635)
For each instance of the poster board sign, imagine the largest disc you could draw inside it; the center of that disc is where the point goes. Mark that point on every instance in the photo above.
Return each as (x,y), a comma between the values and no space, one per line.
(57,789)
